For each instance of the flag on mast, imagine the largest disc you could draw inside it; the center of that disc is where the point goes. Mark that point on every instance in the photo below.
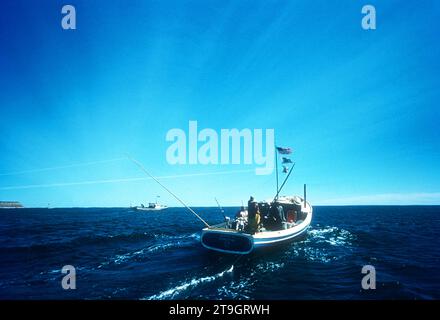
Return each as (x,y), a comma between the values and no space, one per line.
(286,160)
(282,150)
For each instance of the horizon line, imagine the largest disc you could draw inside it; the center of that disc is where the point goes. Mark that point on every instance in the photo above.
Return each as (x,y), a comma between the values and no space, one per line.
(228,206)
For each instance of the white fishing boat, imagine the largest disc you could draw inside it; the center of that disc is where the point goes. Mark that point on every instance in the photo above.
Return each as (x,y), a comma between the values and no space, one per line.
(235,235)
(152,206)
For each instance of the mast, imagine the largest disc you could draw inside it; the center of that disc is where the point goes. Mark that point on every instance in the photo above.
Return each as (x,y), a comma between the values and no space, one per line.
(284,182)
(276,169)
(305,195)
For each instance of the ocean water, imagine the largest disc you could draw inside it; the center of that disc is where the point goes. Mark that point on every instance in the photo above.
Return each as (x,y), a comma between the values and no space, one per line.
(122,254)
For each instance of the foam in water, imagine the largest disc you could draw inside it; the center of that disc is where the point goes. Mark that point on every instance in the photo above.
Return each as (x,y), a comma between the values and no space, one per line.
(170,293)
(173,242)
(237,290)
(269,266)
(241,289)
(330,235)
(321,243)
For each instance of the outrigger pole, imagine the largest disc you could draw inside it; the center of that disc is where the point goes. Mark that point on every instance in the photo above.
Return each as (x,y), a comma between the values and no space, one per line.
(221,209)
(169,191)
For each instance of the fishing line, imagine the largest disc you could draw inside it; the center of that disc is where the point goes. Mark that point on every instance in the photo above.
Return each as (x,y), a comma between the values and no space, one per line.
(221,209)
(236,260)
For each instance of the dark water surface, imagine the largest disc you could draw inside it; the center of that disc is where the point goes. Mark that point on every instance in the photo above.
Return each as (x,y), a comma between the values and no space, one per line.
(122,254)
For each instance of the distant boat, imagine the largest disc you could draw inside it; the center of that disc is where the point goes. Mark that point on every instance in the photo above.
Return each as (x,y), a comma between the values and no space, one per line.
(152,206)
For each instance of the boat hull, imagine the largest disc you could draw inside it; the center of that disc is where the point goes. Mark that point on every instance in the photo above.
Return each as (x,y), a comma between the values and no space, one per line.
(227,241)
(243,243)
(271,242)
(149,209)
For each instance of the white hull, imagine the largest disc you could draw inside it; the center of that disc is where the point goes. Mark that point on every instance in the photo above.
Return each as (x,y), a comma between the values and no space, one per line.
(150,209)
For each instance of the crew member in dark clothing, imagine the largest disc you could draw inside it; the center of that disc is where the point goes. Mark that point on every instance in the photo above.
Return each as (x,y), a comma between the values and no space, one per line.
(277,215)
(281,213)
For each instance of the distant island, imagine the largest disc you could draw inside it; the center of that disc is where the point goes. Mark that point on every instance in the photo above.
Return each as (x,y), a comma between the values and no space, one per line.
(10,205)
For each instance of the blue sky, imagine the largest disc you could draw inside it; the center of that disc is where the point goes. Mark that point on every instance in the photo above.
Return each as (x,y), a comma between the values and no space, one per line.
(360,108)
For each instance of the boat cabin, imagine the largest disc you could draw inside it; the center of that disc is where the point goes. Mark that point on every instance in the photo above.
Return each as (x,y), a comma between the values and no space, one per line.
(281,214)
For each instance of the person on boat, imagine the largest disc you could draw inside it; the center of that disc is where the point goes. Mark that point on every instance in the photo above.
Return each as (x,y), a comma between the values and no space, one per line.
(258,224)
(281,215)
(240,219)
(292,216)
(251,205)
(277,215)
(241,213)
(254,217)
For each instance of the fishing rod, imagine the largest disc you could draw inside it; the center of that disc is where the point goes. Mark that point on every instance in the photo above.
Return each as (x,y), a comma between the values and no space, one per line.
(284,182)
(221,209)
(168,190)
